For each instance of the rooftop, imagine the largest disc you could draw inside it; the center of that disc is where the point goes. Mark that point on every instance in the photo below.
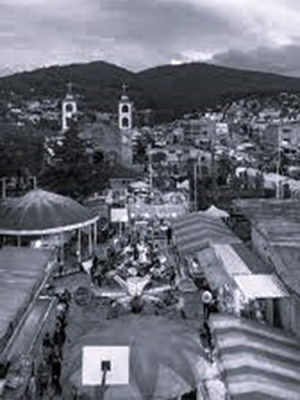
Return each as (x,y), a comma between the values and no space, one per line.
(289,270)
(278,219)
(269,209)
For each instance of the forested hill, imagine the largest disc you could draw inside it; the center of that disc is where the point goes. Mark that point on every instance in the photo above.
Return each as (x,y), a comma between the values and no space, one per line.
(178,89)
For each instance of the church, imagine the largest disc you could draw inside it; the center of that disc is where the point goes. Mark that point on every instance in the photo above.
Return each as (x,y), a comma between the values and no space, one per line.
(114,138)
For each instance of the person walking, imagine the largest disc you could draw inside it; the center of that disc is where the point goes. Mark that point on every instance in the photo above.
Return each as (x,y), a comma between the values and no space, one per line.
(47,348)
(43,379)
(59,338)
(55,375)
(31,390)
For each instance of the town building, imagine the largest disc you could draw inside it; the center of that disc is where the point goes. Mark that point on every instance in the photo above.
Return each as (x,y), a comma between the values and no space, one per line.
(285,135)
(274,228)
(200,131)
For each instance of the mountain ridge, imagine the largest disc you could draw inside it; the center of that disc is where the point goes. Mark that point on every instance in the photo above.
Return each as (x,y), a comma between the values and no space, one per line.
(173,88)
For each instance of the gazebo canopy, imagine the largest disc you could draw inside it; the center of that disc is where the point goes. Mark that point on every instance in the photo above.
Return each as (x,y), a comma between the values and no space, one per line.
(42,213)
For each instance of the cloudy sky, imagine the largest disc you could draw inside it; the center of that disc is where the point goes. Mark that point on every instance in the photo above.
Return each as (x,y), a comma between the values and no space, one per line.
(137,34)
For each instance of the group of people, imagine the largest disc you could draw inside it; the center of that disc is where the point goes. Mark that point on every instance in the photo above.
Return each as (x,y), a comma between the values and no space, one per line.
(48,373)
(132,251)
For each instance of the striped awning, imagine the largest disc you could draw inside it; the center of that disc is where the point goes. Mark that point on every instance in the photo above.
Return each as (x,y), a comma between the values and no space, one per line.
(194,231)
(259,362)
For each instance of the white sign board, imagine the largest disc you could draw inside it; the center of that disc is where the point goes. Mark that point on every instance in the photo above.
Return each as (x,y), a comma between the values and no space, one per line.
(119,215)
(94,356)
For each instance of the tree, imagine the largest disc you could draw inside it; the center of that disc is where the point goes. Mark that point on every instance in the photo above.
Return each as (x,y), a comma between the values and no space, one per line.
(21,151)
(72,172)
(140,151)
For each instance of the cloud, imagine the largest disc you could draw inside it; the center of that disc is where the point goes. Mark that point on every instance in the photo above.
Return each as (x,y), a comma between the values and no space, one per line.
(139,34)
(280,60)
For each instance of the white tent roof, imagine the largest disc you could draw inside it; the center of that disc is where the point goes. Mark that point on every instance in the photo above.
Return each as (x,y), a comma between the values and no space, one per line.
(260,286)
(216,212)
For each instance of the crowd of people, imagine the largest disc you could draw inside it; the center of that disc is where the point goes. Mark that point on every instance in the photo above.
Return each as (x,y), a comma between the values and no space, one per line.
(133,253)
(45,379)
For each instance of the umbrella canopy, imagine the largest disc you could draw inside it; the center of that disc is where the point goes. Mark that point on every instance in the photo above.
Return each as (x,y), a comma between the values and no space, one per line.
(40,213)
(166,358)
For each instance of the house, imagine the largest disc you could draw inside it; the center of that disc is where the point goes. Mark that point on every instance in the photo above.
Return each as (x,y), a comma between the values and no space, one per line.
(275,236)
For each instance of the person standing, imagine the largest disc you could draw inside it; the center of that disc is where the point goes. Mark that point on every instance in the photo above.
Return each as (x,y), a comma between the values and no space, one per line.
(206,300)
(169,235)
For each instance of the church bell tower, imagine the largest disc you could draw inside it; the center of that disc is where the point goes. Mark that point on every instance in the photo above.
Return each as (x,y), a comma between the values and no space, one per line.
(69,109)
(125,111)
(125,124)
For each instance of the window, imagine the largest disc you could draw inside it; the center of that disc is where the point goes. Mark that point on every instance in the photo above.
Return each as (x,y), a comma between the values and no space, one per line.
(69,107)
(125,122)
(125,108)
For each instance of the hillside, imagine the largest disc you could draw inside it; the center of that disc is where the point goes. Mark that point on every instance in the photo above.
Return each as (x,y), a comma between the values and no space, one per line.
(189,86)
(167,89)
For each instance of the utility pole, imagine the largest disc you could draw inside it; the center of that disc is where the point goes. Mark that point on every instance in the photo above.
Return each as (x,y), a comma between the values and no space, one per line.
(150,167)
(103,385)
(3,180)
(195,187)
(278,164)
(214,183)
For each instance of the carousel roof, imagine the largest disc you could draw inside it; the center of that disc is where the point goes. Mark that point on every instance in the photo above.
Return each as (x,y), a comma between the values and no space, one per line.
(42,213)
(166,358)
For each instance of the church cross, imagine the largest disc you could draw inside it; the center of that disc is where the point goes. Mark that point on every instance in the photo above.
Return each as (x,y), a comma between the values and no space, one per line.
(124,88)
(70,87)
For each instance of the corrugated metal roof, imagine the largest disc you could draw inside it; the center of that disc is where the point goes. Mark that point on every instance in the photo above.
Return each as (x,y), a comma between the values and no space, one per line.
(289,269)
